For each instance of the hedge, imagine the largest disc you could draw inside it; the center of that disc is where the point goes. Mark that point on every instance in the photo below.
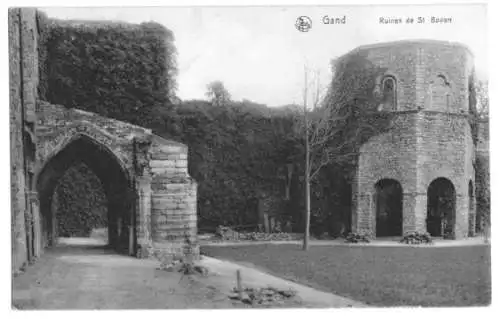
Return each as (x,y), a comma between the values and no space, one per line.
(119,70)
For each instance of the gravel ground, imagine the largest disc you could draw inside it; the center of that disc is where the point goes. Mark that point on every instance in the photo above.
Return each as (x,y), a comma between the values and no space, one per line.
(81,274)
(70,277)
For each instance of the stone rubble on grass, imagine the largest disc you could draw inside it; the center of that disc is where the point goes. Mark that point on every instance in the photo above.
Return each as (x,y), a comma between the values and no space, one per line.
(187,268)
(225,233)
(262,296)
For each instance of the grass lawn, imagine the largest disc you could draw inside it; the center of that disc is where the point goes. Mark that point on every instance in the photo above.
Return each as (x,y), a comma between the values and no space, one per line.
(378,276)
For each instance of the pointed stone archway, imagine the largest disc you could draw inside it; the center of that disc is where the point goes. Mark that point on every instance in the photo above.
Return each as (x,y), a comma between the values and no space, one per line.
(116,181)
(151,197)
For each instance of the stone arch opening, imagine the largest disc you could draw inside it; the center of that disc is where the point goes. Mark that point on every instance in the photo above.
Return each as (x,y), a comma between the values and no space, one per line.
(389,91)
(441,202)
(116,183)
(388,208)
(441,93)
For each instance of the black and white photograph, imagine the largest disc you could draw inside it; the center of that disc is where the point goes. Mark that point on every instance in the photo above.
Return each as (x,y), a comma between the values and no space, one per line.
(249,157)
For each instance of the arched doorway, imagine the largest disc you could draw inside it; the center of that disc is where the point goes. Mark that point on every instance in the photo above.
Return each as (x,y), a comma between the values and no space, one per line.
(441,208)
(116,185)
(389,208)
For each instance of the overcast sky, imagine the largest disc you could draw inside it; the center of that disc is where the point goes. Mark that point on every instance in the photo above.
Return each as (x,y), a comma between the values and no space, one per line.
(260,56)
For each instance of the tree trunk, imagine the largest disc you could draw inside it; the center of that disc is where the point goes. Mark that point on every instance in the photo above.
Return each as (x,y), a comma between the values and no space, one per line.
(308,191)
(308,213)
(307,170)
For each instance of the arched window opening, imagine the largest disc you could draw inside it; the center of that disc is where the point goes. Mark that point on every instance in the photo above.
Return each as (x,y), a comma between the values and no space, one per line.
(442,81)
(389,89)
(441,99)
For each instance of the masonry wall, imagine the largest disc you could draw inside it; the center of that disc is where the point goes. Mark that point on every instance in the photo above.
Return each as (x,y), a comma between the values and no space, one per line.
(430,136)
(387,156)
(452,61)
(18,200)
(445,145)
(166,196)
(446,150)
(23,57)
(397,61)
(173,204)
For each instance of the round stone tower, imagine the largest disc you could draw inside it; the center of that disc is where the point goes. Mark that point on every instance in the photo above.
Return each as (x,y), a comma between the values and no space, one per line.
(418,175)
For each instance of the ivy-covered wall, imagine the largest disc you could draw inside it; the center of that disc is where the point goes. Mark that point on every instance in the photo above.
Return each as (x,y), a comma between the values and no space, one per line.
(119,70)
(81,203)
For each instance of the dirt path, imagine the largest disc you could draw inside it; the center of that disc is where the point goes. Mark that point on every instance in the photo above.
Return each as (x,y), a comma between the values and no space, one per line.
(89,277)
(254,278)
(82,274)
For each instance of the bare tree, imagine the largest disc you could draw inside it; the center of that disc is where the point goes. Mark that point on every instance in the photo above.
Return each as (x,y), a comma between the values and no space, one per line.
(319,128)
(337,121)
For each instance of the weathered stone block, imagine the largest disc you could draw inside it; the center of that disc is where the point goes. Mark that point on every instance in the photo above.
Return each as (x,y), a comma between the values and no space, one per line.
(181,163)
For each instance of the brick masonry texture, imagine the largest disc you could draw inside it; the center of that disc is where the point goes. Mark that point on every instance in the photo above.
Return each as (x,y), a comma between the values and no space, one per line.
(162,194)
(430,136)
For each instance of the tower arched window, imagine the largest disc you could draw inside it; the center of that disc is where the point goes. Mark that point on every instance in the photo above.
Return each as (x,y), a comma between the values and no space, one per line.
(441,94)
(389,91)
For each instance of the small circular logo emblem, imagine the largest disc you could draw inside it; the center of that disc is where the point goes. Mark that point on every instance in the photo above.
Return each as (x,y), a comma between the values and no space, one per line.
(303,23)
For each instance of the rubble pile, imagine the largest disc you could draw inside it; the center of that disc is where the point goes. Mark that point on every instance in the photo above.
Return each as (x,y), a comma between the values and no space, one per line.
(186,268)
(225,233)
(262,296)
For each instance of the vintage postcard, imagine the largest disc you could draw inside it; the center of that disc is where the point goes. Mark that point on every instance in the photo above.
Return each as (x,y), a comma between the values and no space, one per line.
(249,157)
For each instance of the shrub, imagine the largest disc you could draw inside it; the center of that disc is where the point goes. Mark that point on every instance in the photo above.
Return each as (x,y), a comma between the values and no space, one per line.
(226,233)
(280,236)
(416,238)
(357,238)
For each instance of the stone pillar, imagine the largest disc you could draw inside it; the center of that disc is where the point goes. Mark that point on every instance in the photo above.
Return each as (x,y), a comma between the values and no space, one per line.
(143,216)
(461,222)
(173,205)
(50,235)
(364,216)
(37,223)
(421,212)
(173,215)
(414,212)
(472,216)
(54,234)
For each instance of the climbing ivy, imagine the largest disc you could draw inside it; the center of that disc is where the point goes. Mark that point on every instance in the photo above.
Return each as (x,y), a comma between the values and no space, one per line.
(80,204)
(483,191)
(119,70)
